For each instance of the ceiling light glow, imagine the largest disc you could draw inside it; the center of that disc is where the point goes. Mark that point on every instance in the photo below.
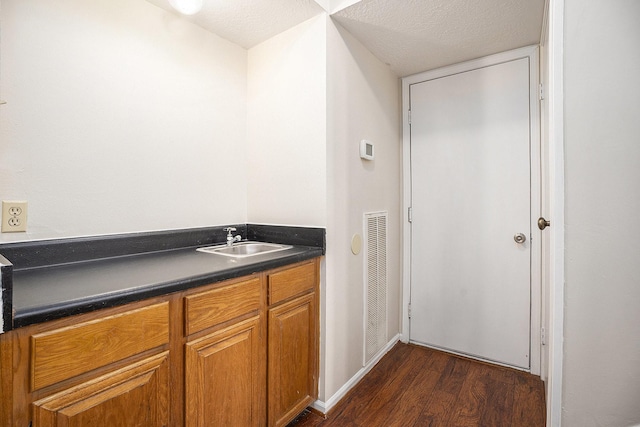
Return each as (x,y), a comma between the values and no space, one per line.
(187,7)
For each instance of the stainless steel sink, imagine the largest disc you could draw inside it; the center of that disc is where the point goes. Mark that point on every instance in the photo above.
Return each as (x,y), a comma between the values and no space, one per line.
(245,249)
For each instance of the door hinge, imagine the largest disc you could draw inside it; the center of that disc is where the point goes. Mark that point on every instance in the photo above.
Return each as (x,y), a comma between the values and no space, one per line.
(409,116)
(541,91)
(409,310)
(543,336)
(410,214)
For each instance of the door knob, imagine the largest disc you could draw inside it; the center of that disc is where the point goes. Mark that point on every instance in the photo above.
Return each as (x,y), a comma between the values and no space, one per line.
(519,238)
(543,223)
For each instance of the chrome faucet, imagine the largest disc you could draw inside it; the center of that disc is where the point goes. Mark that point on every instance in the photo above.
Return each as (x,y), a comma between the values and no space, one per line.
(230,238)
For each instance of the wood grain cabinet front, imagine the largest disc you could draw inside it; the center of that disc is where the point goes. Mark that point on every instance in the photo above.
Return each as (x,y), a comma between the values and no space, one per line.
(225,377)
(225,369)
(223,354)
(107,368)
(293,341)
(222,304)
(292,359)
(133,396)
(63,353)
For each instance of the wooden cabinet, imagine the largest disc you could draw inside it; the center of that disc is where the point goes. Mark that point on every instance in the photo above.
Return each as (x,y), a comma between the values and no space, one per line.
(66,352)
(242,352)
(293,342)
(224,303)
(101,369)
(225,369)
(225,377)
(137,395)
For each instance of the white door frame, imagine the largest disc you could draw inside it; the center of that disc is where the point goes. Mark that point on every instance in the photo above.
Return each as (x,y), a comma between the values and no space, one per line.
(554,33)
(530,52)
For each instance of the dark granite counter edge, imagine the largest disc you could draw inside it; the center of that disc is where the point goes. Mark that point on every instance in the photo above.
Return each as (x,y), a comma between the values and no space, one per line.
(46,253)
(6,282)
(42,314)
(288,235)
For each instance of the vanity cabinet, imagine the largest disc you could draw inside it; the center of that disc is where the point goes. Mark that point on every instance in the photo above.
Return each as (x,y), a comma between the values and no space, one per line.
(293,341)
(225,368)
(101,371)
(136,395)
(242,352)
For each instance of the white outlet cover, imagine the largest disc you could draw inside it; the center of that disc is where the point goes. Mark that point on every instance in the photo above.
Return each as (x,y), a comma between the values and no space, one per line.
(14,216)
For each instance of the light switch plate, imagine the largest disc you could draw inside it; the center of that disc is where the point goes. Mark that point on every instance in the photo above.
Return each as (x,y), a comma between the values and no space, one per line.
(14,216)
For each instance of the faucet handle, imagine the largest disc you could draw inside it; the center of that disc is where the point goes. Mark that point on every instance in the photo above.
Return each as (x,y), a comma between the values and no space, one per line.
(229,229)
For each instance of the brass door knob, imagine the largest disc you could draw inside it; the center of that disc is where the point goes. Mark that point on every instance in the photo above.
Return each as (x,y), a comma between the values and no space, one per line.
(543,223)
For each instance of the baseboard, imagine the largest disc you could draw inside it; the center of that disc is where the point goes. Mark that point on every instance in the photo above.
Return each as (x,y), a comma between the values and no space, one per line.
(325,407)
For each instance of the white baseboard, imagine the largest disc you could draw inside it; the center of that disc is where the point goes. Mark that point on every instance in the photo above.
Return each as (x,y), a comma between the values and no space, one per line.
(325,407)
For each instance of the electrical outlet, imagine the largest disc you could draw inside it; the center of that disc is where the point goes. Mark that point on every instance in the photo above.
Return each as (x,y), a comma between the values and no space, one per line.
(14,216)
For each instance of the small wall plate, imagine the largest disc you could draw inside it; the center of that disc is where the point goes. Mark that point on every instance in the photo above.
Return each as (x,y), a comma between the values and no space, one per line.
(366,149)
(356,244)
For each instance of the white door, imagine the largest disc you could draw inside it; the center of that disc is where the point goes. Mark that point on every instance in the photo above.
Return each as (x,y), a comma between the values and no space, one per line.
(470,172)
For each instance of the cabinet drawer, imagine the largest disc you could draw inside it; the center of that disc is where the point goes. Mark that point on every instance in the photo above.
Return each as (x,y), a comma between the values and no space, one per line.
(136,395)
(219,305)
(66,352)
(290,282)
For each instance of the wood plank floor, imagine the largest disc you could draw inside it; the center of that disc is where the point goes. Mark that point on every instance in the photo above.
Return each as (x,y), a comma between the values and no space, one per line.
(417,386)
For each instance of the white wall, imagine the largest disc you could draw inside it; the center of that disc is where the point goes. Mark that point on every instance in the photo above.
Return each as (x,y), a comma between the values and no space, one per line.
(120,117)
(314,93)
(363,102)
(286,134)
(602,170)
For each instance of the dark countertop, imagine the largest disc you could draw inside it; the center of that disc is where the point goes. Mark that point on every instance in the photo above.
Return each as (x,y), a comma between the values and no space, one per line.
(48,293)
(54,279)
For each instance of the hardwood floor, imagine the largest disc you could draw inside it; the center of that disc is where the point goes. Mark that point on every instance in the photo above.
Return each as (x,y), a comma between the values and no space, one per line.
(417,386)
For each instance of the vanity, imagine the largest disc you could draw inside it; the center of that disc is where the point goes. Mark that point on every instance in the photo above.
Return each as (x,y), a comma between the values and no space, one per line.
(170,336)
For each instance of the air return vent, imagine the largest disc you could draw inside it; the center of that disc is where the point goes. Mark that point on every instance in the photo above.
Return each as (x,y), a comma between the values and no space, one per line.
(375,278)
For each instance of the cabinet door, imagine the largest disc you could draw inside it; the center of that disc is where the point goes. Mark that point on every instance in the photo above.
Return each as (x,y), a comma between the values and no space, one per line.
(292,381)
(225,377)
(134,396)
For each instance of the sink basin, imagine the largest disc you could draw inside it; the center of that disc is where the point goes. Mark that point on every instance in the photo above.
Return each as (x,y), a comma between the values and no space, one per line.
(244,249)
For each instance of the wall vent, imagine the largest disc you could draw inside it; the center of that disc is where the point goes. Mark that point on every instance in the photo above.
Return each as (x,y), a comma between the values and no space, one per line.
(375,286)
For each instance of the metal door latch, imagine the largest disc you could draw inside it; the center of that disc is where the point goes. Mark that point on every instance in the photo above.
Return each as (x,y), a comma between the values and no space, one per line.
(543,223)
(519,238)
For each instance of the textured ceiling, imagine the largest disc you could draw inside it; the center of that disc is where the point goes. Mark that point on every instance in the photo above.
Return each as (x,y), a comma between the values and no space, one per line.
(249,22)
(409,35)
(418,35)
